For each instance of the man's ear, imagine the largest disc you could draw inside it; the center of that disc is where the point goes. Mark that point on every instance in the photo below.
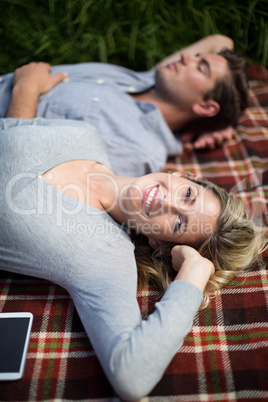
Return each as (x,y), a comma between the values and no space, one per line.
(207,108)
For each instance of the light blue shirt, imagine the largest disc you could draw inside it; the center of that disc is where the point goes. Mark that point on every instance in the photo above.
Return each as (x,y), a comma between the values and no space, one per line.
(137,138)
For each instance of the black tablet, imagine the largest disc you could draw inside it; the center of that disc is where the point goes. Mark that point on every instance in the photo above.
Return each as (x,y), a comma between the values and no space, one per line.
(15,329)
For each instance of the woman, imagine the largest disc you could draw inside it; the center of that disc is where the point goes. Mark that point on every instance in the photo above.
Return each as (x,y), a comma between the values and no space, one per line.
(63,218)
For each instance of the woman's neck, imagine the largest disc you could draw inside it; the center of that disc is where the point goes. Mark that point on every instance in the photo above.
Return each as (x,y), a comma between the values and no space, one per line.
(91,183)
(112,192)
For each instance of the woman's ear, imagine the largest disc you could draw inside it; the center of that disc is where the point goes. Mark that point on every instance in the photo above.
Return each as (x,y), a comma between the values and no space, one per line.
(156,244)
(207,108)
(180,174)
(187,175)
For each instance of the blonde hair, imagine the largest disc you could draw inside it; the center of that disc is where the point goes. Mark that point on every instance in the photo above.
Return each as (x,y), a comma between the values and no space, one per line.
(233,247)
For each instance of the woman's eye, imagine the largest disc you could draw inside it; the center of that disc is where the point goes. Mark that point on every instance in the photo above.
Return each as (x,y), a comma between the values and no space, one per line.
(188,194)
(177,225)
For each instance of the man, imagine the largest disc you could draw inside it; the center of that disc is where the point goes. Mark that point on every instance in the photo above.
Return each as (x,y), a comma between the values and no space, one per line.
(137,113)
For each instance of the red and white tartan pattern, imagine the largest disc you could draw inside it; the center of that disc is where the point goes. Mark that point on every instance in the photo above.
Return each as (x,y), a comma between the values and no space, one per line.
(223,358)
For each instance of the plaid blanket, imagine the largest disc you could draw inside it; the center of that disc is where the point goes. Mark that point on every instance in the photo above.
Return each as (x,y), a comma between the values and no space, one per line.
(223,358)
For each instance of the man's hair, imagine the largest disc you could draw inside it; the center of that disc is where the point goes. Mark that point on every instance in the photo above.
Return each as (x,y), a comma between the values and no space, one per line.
(230,92)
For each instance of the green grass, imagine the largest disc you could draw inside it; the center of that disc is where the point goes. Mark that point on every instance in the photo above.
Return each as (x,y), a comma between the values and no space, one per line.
(134,33)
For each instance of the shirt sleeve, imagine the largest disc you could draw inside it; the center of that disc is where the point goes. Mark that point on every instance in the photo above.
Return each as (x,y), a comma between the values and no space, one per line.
(134,353)
(10,122)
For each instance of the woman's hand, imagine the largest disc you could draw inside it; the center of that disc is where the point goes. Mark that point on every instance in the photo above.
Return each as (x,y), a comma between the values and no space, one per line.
(31,81)
(191,266)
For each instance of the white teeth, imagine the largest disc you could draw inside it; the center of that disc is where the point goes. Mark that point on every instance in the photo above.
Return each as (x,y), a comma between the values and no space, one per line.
(149,199)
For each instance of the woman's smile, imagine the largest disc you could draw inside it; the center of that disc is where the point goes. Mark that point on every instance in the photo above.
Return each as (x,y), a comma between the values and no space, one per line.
(149,198)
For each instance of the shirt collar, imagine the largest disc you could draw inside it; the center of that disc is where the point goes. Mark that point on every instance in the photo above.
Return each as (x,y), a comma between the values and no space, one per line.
(153,118)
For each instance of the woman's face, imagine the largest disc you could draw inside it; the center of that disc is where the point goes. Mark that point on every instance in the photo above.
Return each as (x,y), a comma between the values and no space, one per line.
(170,207)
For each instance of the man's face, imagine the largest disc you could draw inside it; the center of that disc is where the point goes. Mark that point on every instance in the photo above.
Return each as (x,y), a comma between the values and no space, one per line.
(185,82)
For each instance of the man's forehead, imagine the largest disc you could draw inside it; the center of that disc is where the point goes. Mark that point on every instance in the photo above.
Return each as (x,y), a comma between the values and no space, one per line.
(214,59)
(218,64)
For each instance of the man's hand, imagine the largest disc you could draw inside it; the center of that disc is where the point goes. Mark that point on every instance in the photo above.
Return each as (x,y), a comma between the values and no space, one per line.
(210,140)
(31,81)
(191,266)
(36,77)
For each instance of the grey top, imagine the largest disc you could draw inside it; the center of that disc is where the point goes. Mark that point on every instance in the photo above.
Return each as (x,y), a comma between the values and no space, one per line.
(47,234)
(137,138)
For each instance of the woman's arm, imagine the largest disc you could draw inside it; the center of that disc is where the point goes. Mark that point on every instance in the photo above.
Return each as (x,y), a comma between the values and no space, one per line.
(135,353)
(31,81)
(209,44)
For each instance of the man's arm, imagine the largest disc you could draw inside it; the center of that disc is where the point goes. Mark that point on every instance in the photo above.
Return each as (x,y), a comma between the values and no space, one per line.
(31,81)
(209,44)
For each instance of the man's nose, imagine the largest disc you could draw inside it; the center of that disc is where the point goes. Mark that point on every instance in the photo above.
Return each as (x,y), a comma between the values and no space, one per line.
(184,58)
(188,59)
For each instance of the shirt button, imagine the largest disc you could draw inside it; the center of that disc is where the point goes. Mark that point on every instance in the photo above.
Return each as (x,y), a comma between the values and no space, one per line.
(99,81)
(131,89)
(95,99)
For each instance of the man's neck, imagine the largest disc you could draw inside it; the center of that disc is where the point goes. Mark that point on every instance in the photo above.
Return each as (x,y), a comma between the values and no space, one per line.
(175,118)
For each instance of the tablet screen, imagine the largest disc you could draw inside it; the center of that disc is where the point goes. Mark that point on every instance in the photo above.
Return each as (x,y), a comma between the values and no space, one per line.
(14,338)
